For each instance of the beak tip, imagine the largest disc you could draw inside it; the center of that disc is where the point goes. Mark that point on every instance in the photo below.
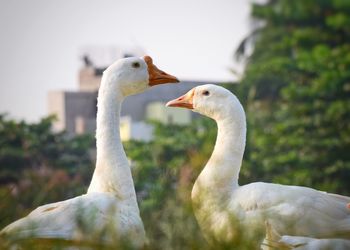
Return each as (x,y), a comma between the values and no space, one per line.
(172,79)
(147,59)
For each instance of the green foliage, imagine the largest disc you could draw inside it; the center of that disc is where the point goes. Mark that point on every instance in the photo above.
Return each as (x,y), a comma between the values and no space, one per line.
(164,171)
(297,89)
(38,166)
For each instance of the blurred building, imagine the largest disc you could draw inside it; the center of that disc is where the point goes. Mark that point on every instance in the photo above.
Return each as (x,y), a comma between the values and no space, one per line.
(76,110)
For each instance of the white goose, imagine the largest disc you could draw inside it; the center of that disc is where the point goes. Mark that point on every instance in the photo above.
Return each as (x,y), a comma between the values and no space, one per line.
(219,202)
(109,209)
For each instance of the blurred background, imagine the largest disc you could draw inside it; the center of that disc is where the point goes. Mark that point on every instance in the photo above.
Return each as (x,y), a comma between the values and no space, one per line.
(287,61)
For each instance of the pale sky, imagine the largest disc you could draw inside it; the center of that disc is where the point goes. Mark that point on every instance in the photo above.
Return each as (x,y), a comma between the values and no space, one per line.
(40,42)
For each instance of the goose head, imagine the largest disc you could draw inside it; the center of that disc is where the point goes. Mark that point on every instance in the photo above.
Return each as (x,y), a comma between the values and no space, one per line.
(134,75)
(210,100)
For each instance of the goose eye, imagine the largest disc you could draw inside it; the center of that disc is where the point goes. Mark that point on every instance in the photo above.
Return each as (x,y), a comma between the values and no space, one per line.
(135,65)
(206,92)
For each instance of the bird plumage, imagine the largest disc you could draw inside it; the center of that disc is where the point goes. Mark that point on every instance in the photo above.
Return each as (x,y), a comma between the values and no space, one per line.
(223,208)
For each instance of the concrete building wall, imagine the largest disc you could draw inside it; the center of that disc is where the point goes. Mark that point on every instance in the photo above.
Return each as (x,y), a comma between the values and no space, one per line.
(88,80)
(57,107)
(80,108)
(125,128)
(141,131)
(159,112)
(75,111)
(130,130)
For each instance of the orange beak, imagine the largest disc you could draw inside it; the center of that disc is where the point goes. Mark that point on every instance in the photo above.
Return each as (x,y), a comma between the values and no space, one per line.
(185,101)
(156,76)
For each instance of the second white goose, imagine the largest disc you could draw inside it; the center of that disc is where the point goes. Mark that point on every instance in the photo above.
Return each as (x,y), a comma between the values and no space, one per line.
(222,207)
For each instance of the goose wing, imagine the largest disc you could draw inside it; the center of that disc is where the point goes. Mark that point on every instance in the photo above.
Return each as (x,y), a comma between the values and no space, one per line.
(294,210)
(69,219)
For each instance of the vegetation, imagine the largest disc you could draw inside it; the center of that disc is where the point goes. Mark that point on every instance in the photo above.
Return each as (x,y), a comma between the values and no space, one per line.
(295,90)
(38,166)
(164,172)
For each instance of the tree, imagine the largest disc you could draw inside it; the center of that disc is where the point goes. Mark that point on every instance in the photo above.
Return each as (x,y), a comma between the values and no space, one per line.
(297,87)
(39,166)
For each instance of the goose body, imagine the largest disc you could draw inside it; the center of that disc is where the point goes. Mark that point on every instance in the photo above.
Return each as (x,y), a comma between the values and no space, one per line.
(293,210)
(89,217)
(223,208)
(307,243)
(109,210)
(274,240)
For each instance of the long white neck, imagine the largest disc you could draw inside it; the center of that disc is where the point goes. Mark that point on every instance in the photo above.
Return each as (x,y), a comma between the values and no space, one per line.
(112,173)
(220,175)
